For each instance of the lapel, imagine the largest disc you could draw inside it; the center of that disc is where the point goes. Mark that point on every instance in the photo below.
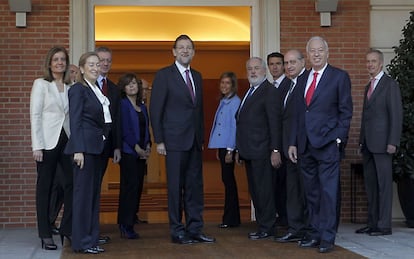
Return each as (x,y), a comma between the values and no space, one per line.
(93,96)
(183,85)
(378,89)
(256,94)
(55,92)
(322,82)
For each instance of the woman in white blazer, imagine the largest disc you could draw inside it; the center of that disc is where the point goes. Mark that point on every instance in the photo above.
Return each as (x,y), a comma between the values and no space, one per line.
(49,118)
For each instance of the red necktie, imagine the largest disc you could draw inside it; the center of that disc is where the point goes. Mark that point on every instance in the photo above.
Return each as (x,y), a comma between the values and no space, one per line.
(371,88)
(311,89)
(189,84)
(104,87)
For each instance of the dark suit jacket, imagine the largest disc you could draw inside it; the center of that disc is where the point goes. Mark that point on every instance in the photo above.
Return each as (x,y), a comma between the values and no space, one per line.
(115,107)
(284,87)
(289,111)
(86,121)
(131,132)
(258,123)
(329,114)
(381,122)
(175,119)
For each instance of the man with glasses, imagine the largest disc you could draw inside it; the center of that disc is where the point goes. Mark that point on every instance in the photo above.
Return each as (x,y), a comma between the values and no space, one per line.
(295,199)
(113,143)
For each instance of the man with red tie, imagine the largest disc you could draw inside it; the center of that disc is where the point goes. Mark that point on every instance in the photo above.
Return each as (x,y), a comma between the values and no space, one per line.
(319,135)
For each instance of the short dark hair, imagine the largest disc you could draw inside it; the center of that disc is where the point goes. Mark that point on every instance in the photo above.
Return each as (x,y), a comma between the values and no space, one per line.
(275,55)
(183,37)
(103,49)
(127,78)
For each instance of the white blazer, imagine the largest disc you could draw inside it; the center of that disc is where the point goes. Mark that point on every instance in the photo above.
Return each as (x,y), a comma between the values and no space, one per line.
(48,114)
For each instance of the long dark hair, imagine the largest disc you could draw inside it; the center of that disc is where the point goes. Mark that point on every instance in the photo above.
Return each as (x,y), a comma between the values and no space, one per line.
(47,71)
(127,78)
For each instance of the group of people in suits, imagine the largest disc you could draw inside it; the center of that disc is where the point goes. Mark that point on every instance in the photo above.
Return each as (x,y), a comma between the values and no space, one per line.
(313,110)
(290,135)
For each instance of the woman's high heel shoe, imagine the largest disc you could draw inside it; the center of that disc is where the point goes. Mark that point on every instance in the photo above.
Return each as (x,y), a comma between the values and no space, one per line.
(48,244)
(128,232)
(62,238)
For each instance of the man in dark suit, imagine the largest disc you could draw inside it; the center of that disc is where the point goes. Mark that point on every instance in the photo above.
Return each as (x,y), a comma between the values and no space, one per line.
(295,199)
(176,113)
(113,143)
(258,143)
(381,127)
(321,130)
(275,63)
(110,90)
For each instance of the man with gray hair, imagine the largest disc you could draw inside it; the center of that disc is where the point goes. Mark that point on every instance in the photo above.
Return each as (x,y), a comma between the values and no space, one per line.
(258,143)
(319,135)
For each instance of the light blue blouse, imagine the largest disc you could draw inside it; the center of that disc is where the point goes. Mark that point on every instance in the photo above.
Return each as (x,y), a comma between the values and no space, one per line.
(223,131)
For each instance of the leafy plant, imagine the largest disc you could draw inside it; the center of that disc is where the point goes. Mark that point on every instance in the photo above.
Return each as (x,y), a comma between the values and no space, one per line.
(401,68)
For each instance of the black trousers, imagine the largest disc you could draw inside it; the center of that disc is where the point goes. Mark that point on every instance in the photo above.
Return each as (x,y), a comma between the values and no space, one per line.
(259,177)
(185,191)
(46,171)
(231,215)
(295,202)
(86,200)
(279,187)
(131,185)
(57,195)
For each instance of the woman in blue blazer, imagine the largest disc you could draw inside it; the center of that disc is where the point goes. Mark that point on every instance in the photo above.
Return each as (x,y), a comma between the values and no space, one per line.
(90,120)
(223,137)
(135,151)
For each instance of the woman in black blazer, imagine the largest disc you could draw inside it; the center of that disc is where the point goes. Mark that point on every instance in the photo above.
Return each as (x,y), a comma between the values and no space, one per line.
(136,148)
(89,119)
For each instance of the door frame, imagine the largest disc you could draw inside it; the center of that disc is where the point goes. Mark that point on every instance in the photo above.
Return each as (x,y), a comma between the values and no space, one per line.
(265,22)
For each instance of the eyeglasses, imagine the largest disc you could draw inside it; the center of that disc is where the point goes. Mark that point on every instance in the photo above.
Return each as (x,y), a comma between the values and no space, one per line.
(107,60)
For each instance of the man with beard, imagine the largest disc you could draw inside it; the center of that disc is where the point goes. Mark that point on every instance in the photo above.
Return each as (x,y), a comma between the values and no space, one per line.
(258,143)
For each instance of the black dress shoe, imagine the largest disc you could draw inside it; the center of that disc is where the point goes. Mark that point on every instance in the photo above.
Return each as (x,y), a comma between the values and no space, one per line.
(104,240)
(309,243)
(202,238)
(89,251)
(325,247)
(99,249)
(259,235)
(141,221)
(182,240)
(380,232)
(222,225)
(364,230)
(289,237)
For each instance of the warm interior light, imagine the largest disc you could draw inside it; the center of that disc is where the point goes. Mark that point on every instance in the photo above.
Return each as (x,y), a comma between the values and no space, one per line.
(153,23)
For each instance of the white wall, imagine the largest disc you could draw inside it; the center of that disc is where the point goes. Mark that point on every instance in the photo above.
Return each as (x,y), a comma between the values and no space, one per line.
(387,20)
